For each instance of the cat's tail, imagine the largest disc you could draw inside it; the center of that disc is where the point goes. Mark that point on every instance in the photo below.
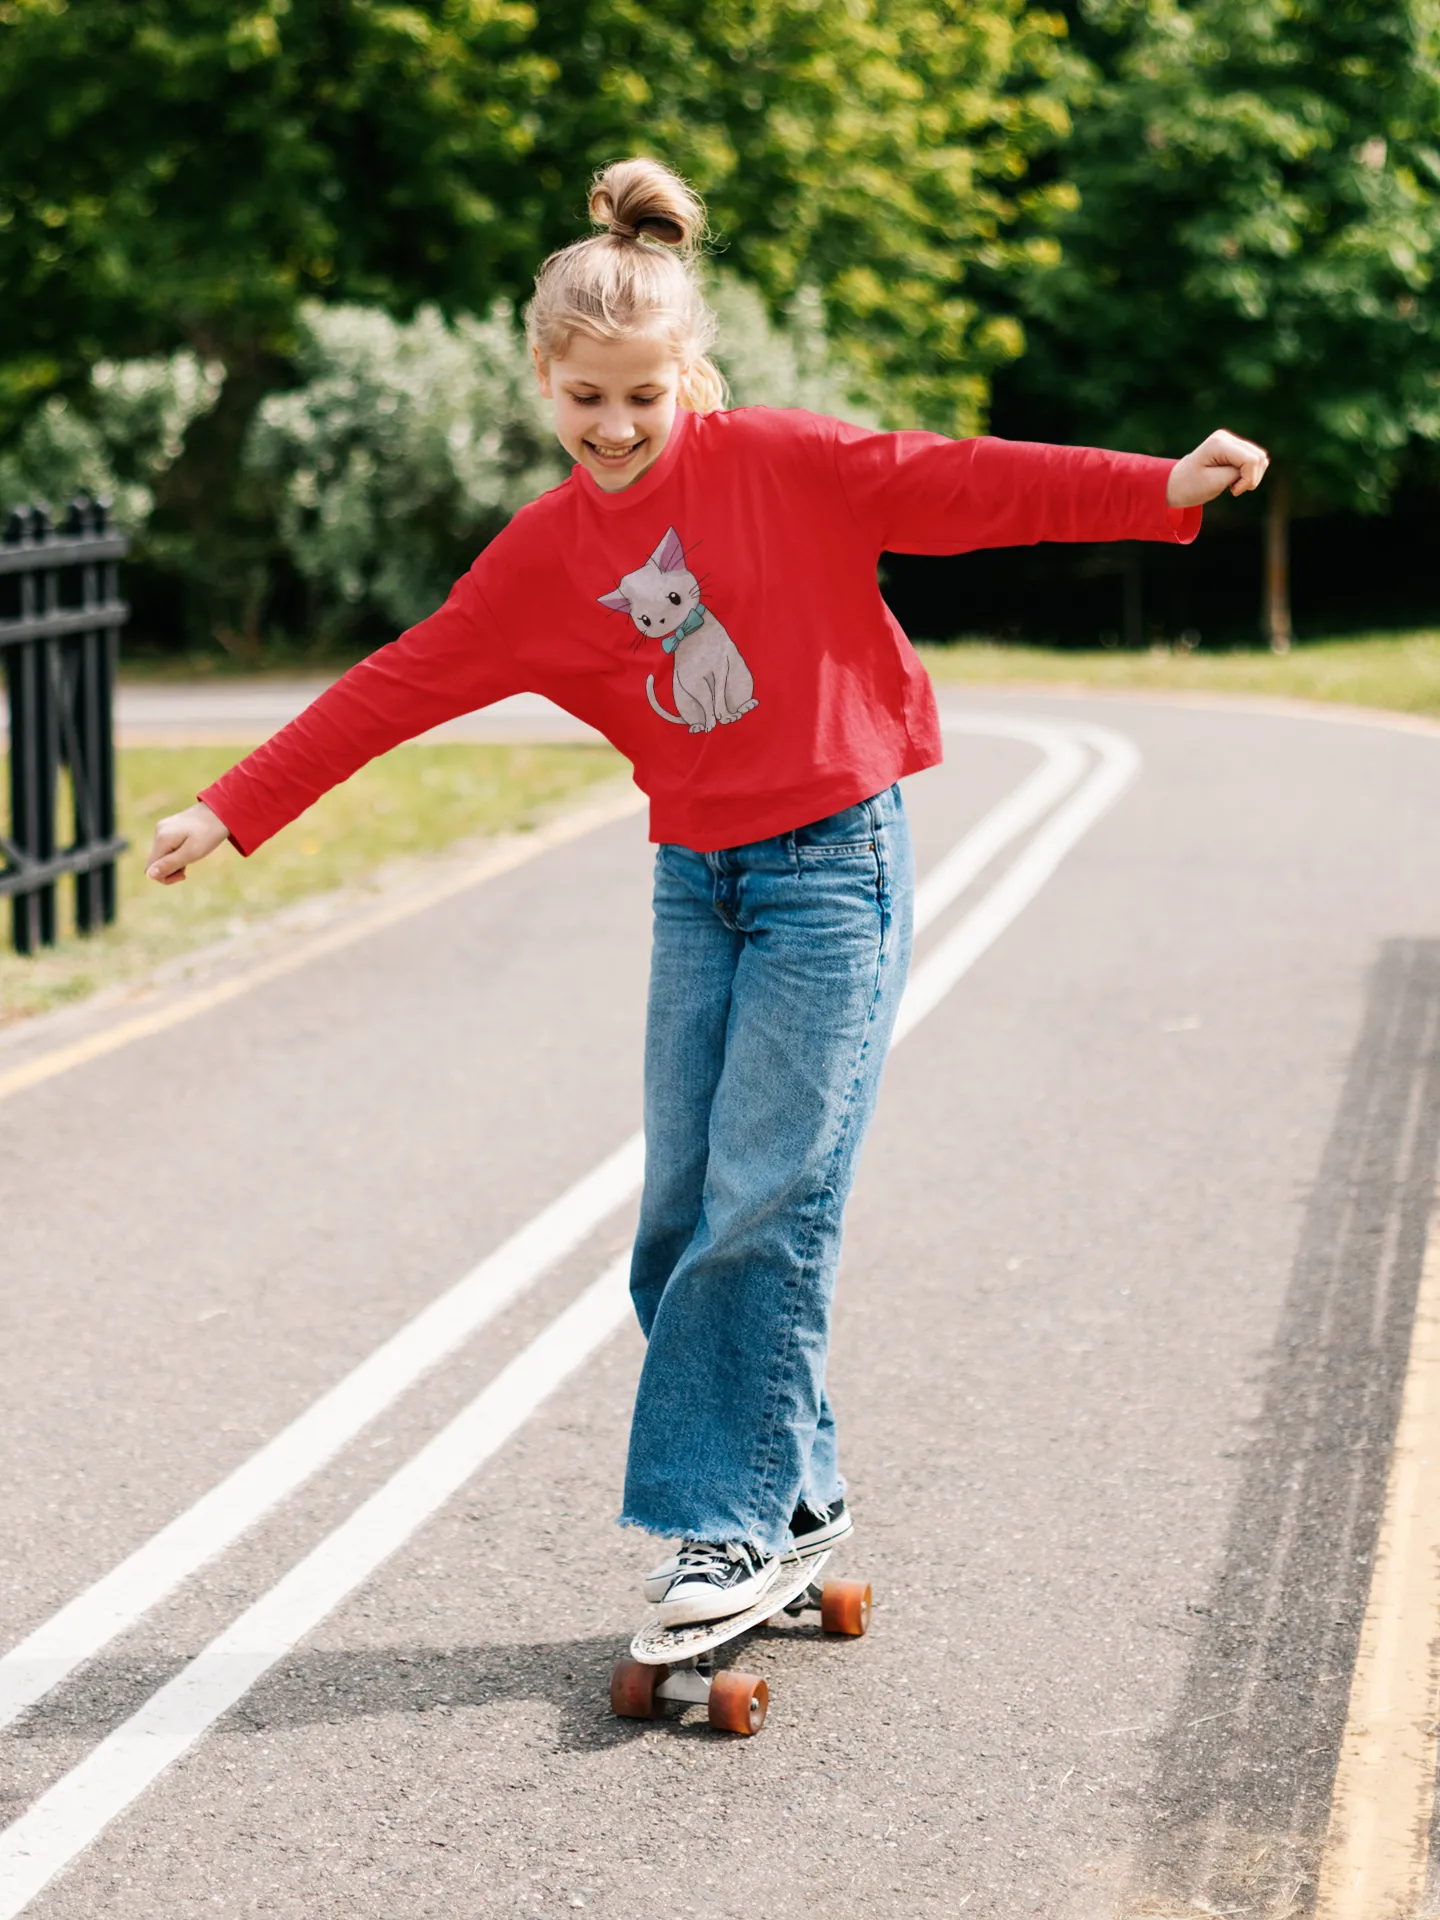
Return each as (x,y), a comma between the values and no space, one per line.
(663,712)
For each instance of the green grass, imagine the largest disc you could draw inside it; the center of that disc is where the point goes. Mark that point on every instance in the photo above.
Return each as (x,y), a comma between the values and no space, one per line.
(413,802)
(1398,671)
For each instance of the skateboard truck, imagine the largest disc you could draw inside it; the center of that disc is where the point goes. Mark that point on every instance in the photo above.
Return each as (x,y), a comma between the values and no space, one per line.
(812,1600)
(734,1702)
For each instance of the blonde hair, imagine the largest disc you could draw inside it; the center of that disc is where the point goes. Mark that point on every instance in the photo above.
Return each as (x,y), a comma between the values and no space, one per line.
(636,277)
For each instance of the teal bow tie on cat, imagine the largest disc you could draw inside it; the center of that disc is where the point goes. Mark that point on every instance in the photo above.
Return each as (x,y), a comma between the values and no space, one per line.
(692,620)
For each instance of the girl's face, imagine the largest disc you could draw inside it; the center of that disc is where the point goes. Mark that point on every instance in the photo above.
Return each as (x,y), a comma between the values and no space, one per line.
(615,403)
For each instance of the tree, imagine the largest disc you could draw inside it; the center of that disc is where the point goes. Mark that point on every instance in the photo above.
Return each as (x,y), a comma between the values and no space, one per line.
(1254,240)
(878,152)
(186,173)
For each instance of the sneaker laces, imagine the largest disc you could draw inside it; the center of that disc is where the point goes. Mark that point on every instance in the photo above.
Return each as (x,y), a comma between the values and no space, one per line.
(698,1559)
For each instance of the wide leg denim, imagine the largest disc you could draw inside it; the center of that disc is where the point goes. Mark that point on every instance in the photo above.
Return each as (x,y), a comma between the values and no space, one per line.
(775,979)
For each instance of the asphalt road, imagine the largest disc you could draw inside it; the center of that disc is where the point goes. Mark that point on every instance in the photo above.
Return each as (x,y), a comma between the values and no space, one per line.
(1123,1318)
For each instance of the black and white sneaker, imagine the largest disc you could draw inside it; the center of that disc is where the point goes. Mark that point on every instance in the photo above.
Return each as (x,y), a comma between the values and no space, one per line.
(657,1581)
(811,1534)
(712,1582)
(817,1532)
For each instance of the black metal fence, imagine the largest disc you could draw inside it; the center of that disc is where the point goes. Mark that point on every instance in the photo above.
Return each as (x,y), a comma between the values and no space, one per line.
(60,620)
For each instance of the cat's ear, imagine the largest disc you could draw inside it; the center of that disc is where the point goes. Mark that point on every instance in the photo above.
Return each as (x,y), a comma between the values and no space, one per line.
(669,556)
(617,601)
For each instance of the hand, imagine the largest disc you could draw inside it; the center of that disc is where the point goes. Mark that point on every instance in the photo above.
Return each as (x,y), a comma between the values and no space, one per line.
(1223,460)
(184,837)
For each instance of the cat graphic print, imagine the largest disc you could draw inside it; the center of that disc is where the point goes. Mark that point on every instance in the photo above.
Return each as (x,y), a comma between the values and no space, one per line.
(711,683)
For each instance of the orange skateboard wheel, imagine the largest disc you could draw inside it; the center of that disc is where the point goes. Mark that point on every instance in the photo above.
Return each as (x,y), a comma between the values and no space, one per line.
(845,1606)
(738,1702)
(632,1690)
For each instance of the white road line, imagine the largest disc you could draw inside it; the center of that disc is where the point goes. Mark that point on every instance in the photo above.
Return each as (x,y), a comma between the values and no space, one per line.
(117,1600)
(86,1624)
(73,1812)
(85,1800)
(933,978)
(1057,773)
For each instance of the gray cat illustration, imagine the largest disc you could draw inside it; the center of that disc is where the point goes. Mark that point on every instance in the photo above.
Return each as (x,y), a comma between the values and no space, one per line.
(712,684)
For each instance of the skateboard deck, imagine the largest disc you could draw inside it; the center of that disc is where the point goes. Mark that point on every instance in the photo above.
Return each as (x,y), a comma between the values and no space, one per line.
(676,1665)
(657,1646)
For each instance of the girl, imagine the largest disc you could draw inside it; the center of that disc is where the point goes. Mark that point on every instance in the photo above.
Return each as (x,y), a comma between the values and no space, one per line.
(703,590)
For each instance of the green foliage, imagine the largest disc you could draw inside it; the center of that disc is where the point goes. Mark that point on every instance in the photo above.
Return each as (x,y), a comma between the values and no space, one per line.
(407,445)
(404,448)
(188,172)
(791,364)
(878,152)
(401,449)
(116,440)
(1256,237)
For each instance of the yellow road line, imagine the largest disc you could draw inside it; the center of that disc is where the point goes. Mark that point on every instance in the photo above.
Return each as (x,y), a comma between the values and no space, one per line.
(504,858)
(1375,1858)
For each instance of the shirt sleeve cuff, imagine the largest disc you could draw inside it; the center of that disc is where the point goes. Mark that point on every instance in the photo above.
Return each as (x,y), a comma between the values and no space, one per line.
(1184,523)
(209,798)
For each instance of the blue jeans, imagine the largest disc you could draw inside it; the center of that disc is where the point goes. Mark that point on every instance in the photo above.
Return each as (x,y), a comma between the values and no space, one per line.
(776,975)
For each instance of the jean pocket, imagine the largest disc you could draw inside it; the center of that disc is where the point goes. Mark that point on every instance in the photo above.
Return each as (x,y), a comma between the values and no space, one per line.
(848,833)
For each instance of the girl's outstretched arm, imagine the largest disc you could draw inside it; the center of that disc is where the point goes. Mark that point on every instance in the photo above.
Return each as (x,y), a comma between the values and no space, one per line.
(449,664)
(916,492)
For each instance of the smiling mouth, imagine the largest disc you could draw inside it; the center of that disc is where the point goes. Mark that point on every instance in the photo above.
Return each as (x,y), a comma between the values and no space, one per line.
(614,456)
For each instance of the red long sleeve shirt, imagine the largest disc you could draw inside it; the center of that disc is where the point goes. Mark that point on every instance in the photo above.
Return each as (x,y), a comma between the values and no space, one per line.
(719,620)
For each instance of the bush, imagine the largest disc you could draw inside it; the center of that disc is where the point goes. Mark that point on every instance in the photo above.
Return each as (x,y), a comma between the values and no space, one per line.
(404,449)
(115,440)
(785,366)
(408,445)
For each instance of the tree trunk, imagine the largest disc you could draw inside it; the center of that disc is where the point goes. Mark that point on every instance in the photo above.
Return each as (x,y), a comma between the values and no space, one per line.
(1132,624)
(211,524)
(1276,612)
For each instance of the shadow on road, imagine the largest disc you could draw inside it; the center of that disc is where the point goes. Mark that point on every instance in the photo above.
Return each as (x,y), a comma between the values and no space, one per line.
(318,1687)
(570,1676)
(1244,1771)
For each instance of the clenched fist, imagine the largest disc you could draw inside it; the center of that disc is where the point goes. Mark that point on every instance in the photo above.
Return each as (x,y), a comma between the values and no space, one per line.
(1223,460)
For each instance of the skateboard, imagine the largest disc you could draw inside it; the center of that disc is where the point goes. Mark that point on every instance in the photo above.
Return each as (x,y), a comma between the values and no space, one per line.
(678,1663)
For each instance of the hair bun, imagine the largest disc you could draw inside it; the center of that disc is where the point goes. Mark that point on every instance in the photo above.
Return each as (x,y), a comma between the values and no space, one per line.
(635,198)
(617,283)
(657,227)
